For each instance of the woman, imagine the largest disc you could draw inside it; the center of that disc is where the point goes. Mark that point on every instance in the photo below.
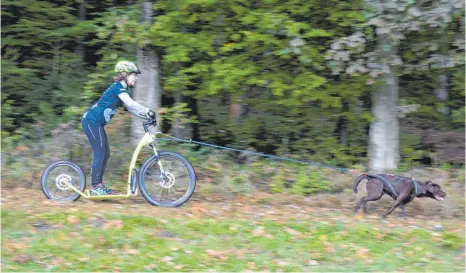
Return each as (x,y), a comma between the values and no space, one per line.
(100,114)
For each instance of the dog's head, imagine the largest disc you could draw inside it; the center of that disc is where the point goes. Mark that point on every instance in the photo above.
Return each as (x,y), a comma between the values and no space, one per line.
(434,191)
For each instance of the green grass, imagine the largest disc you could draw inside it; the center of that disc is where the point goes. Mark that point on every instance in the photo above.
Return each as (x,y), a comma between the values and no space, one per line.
(138,243)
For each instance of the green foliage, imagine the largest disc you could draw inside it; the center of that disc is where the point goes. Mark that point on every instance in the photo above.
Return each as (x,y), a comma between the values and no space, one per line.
(452,240)
(255,74)
(177,113)
(309,182)
(278,181)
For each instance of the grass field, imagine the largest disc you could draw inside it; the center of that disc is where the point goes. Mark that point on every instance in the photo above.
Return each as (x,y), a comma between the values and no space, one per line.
(236,235)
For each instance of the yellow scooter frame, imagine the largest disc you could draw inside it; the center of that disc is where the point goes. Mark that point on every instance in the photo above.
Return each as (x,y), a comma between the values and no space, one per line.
(148,138)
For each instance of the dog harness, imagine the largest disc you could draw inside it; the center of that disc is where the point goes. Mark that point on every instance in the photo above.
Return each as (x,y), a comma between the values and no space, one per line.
(390,186)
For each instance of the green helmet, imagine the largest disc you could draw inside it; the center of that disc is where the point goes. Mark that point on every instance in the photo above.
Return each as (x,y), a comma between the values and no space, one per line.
(128,67)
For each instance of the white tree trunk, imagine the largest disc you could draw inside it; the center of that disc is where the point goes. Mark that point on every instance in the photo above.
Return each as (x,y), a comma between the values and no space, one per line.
(442,93)
(148,91)
(384,138)
(80,48)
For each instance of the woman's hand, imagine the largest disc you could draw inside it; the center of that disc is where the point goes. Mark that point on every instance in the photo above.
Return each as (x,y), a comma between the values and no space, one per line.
(150,115)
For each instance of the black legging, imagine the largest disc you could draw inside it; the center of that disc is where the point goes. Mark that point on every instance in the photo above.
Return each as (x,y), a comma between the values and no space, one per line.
(99,142)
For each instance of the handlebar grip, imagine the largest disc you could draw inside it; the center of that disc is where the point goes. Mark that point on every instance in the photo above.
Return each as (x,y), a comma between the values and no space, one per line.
(151,115)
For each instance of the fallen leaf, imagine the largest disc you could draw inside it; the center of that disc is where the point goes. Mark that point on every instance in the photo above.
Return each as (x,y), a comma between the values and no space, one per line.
(74,234)
(251,265)
(83,259)
(216,254)
(323,237)
(150,266)
(117,224)
(133,251)
(259,231)
(329,247)
(362,253)
(10,247)
(167,259)
(56,261)
(313,263)
(282,263)
(292,231)
(21,259)
(380,236)
(180,266)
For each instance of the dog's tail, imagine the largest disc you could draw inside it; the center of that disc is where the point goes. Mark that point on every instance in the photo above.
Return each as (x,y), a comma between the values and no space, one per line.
(358,179)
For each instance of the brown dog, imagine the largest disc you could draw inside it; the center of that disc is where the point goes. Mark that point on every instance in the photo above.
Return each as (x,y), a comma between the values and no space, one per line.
(401,189)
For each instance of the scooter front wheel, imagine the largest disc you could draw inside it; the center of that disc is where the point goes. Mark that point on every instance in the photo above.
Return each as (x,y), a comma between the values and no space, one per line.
(55,176)
(167,180)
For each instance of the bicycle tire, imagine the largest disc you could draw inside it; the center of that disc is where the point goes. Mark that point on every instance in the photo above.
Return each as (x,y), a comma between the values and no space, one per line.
(192,180)
(51,167)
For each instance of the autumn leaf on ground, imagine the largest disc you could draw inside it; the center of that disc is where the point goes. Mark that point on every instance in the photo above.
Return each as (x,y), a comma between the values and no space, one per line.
(72,219)
(323,237)
(362,253)
(150,266)
(259,231)
(11,247)
(251,265)
(133,251)
(21,259)
(167,259)
(329,247)
(116,224)
(292,231)
(217,254)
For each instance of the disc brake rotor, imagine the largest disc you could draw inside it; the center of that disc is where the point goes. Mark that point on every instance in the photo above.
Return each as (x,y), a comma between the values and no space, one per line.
(167,181)
(61,180)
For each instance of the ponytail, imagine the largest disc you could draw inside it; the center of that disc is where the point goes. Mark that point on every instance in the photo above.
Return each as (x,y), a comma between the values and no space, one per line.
(120,76)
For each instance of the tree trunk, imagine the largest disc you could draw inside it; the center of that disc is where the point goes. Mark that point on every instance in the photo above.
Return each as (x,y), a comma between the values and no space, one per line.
(238,110)
(148,90)
(384,139)
(81,47)
(343,125)
(442,92)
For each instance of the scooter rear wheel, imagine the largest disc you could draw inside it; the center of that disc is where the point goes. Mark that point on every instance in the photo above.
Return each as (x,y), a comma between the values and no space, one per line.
(53,181)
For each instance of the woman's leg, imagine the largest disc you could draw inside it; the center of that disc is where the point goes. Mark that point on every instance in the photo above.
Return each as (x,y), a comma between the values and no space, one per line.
(107,154)
(93,132)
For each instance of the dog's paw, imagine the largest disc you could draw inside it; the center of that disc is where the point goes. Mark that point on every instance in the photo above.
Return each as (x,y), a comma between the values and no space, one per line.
(403,216)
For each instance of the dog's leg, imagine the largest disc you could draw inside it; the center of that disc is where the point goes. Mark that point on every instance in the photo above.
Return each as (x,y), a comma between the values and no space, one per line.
(397,202)
(403,211)
(374,189)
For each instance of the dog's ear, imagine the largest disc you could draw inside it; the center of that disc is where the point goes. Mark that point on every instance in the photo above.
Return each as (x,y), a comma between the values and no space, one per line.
(432,187)
(428,186)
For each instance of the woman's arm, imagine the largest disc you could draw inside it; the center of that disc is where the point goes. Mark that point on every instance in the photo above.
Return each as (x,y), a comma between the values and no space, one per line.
(132,106)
